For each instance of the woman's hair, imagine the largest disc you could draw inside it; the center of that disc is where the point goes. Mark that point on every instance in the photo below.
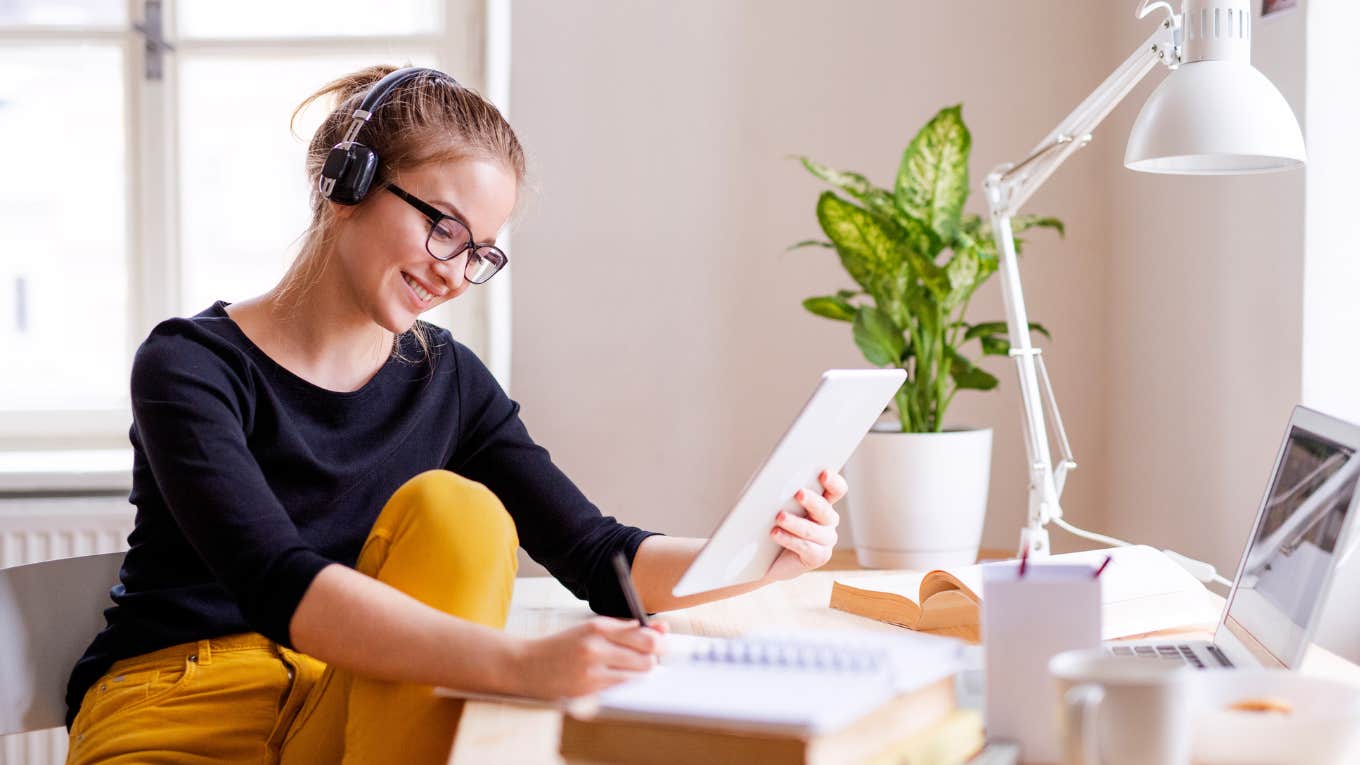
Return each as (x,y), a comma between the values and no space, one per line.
(428,118)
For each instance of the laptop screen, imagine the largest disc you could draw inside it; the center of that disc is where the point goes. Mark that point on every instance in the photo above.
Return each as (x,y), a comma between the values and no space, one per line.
(1296,537)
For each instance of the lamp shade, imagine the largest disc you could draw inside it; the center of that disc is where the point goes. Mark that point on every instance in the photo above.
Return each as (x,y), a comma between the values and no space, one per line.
(1215,118)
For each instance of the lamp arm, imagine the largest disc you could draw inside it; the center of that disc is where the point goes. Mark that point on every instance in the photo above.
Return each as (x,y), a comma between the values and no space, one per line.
(1023,178)
(1008,187)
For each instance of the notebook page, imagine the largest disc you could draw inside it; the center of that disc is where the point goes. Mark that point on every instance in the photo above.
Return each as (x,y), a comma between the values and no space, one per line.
(799,701)
(781,681)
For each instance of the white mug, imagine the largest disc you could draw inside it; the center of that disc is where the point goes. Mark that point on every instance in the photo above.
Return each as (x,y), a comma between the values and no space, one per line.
(1122,710)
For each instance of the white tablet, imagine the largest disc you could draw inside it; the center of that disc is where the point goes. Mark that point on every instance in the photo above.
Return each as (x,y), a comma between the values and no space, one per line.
(834,420)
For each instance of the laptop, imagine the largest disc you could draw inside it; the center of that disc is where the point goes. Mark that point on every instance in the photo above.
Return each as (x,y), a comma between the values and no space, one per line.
(1303,530)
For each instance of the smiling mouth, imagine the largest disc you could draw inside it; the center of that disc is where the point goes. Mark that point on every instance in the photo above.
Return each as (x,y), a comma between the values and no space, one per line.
(420,292)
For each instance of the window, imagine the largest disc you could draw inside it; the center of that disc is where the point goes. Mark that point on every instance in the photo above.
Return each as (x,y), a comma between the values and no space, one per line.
(133,195)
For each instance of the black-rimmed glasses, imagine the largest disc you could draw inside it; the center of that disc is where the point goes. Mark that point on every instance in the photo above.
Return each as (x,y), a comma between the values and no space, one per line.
(450,237)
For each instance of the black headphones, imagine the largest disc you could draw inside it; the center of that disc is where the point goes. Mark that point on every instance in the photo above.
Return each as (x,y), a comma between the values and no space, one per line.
(351,166)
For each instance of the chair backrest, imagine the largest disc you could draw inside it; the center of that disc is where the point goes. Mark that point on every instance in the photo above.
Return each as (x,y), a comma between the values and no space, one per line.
(49,613)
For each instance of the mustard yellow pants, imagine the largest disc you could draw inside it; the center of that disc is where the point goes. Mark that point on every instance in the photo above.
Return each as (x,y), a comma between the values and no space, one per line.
(443,539)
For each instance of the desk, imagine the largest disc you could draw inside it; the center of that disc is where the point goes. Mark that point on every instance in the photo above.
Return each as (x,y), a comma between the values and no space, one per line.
(506,734)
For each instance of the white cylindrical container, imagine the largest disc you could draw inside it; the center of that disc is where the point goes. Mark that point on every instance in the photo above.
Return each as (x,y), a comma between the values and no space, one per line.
(917,500)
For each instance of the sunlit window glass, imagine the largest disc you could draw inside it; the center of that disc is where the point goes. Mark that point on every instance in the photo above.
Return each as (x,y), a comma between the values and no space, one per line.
(63,208)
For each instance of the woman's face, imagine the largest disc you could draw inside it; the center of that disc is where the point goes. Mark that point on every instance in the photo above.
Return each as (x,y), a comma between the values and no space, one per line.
(381,242)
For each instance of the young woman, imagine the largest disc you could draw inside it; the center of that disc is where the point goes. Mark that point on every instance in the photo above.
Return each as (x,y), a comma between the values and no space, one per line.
(330,492)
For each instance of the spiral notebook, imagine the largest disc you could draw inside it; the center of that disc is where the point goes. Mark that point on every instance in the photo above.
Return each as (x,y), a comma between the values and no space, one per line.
(805,683)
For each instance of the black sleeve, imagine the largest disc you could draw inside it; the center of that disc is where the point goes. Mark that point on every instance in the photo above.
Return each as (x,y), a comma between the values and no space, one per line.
(557,525)
(190,406)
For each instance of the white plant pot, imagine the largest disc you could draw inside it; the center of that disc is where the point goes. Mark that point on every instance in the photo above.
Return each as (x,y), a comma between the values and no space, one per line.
(917,500)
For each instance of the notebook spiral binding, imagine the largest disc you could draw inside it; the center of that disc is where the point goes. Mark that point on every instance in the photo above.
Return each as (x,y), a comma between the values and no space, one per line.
(834,657)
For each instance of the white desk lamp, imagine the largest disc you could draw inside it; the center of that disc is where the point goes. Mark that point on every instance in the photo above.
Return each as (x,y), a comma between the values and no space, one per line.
(1214,114)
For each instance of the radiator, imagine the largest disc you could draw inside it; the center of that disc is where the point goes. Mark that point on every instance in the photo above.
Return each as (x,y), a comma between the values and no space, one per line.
(35,529)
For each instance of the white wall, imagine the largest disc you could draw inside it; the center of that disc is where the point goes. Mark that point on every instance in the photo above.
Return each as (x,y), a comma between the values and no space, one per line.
(1331,323)
(1331,318)
(1212,339)
(1205,320)
(659,342)
(660,345)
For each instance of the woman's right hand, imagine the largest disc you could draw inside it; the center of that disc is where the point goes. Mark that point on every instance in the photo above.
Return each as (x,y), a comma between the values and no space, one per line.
(586,658)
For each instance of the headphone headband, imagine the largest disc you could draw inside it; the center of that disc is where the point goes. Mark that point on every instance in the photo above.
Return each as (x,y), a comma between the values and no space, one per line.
(378,93)
(350,167)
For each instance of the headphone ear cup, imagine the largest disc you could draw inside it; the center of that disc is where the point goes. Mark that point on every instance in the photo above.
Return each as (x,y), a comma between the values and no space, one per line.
(347,173)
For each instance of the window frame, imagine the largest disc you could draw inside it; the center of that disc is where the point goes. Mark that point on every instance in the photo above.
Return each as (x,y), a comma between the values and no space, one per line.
(153,264)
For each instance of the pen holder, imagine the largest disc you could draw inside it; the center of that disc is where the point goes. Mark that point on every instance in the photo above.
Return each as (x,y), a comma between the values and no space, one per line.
(1026,620)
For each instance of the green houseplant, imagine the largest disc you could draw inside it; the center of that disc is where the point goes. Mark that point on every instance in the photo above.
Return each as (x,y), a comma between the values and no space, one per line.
(917,259)
(920,491)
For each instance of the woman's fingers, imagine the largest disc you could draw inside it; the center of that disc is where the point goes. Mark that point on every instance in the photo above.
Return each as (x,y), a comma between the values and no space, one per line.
(622,644)
(834,485)
(615,656)
(811,538)
(809,553)
(628,634)
(592,655)
(817,533)
(604,677)
(818,509)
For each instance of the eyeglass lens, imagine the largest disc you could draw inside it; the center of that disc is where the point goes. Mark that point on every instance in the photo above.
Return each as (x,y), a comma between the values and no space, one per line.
(483,264)
(448,238)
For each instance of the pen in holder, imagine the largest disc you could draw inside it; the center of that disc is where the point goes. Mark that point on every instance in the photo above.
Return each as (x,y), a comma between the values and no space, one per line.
(1031,612)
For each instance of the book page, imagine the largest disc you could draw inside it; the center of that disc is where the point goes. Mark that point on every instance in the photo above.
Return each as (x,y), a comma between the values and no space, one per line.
(906,584)
(949,609)
(968,579)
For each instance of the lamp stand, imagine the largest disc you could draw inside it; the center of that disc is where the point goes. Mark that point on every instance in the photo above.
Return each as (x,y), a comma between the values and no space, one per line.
(1007,188)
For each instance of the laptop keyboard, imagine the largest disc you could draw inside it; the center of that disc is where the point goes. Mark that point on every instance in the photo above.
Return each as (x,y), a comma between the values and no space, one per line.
(1181,653)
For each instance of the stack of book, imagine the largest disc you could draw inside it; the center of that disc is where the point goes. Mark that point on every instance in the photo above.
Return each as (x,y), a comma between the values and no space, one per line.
(785,699)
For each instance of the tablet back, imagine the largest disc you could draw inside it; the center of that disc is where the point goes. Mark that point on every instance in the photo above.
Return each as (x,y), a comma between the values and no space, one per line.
(826,432)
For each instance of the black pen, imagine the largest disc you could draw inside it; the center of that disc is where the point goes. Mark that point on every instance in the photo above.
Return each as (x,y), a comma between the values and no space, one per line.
(629,594)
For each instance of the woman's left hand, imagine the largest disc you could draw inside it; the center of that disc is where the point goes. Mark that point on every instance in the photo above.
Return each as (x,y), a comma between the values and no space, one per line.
(808,542)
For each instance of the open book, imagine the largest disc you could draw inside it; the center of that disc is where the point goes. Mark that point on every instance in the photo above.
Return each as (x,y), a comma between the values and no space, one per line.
(1142,591)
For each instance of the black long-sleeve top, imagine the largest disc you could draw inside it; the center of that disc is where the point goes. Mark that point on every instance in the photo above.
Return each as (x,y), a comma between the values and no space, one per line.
(248,480)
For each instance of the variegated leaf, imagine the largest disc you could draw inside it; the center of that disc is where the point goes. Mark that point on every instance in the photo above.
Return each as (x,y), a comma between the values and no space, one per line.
(932,179)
